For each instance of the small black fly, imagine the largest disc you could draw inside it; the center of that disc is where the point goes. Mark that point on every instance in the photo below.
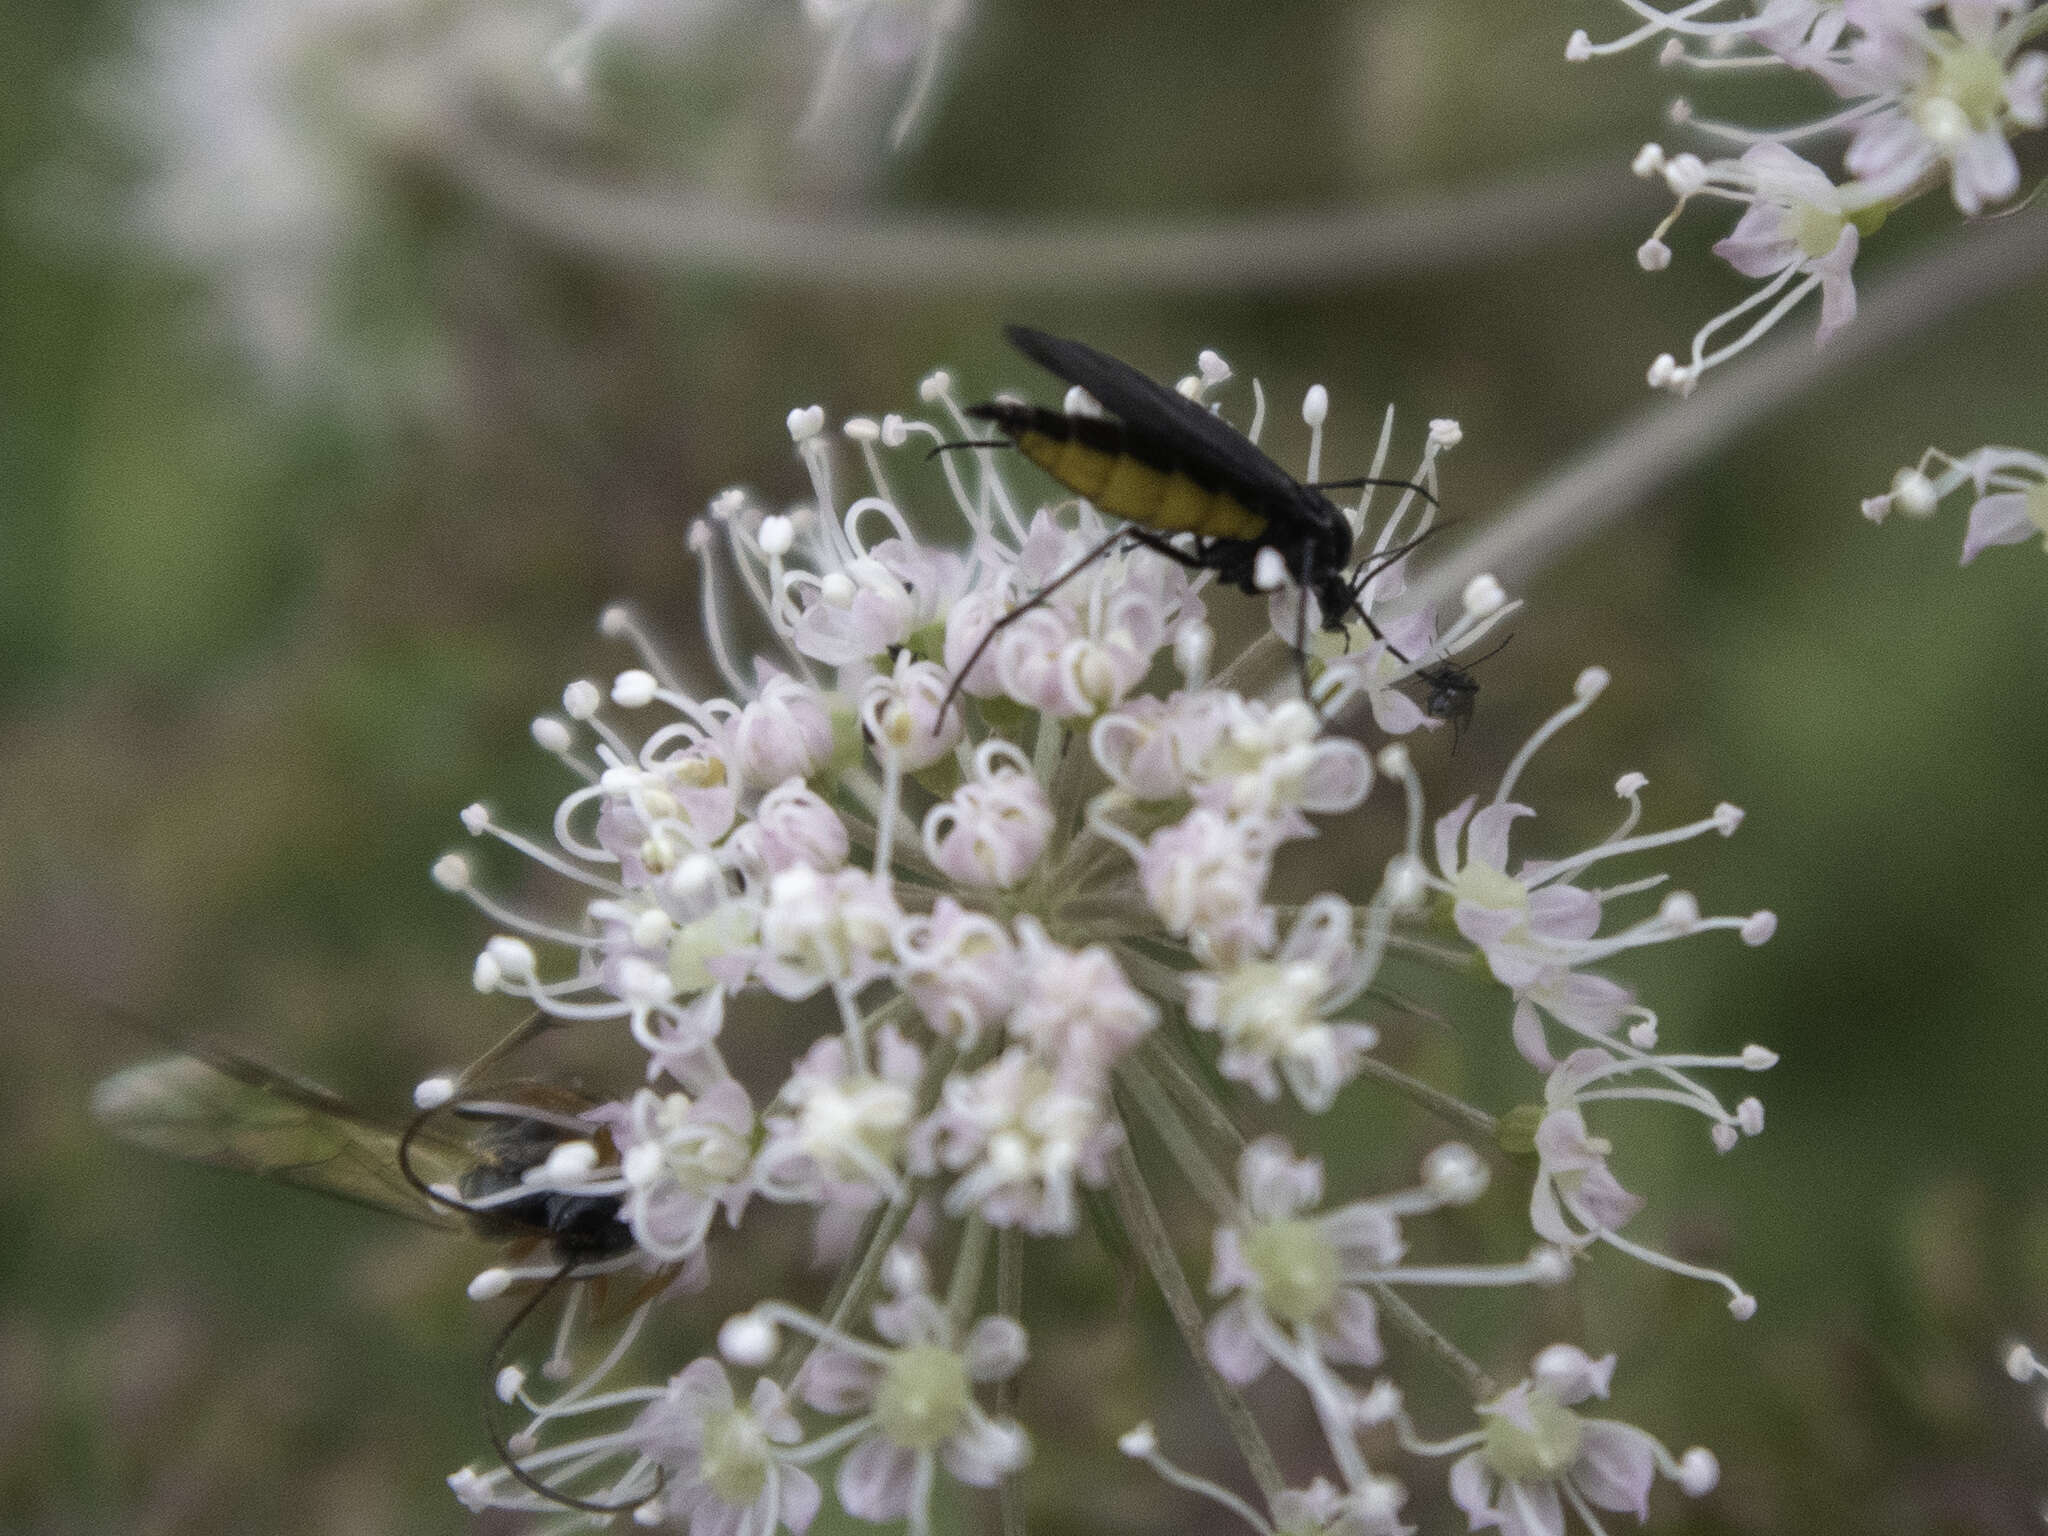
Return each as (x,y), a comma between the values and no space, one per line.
(1170,468)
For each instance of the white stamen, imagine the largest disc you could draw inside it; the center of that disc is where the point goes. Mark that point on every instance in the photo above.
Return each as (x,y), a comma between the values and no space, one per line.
(748,1340)
(778,533)
(634,689)
(1483,595)
(451,872)
(1698,1472)
(433,1092)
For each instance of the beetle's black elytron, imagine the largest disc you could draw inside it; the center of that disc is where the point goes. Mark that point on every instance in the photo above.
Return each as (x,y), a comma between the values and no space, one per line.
(209,1104)
(1169,467)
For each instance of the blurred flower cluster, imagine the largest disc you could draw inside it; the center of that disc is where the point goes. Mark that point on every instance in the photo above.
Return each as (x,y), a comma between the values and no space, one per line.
(1929,94)
(287,152)
(1036,917)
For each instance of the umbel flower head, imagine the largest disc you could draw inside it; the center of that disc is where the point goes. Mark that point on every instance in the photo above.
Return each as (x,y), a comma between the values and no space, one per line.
(1930,94)
(997,931)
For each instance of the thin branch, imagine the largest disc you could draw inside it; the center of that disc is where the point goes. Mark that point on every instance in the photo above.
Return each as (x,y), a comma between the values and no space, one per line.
(673,227)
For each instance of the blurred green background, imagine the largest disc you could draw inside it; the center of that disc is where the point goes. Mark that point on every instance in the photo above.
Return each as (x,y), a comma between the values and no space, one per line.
(317,461)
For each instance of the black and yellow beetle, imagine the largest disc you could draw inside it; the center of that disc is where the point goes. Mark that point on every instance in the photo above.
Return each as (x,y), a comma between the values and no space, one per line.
(1169,467)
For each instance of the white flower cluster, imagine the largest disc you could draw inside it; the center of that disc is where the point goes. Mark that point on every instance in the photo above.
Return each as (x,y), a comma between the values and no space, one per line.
(2011,487)
(1033,914)
(1928,92)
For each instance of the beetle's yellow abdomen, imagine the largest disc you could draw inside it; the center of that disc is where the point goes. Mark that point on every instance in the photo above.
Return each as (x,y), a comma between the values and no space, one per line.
(1124,486)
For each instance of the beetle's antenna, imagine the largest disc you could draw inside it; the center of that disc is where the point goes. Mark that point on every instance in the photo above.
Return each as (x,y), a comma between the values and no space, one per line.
(1358,482)
(1368,569)
(966,442)
(524,1478)
(1037,599)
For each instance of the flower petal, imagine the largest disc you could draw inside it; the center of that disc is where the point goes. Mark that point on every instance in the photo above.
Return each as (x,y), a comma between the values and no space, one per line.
(877,1480)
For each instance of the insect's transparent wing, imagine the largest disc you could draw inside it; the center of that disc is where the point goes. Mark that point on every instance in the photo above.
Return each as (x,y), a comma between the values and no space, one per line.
(234,1113)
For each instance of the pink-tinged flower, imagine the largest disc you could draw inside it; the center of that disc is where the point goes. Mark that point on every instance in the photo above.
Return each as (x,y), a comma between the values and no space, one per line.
(1019,1139)
(792,825)
(1798,234)
(1089,644)
(1536,928)
(914,1398)
(1574,1184)
(1205,877)
(875,602)
(837,1134)
(1371,1509)
(1376,669)
(728,1469)
(1272,762)
(1576,1200)
(2007,517)
(1273,1015)
(960,969)
(1293,1278)
(900,709)
(2011,486)
(824,929)
(1076,1010)
(784,733)
(681,797)
(1796,221)
(684,1159)
(992,830)
(1946,96)
(1536,1457)
(1153,749)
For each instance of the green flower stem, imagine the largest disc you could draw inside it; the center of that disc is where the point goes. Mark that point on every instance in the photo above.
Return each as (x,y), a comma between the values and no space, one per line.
(1010,1303)
(1195,1164)
(1394,1307)
(1148,1234)
(1197,1097)
(965,1289)
(1477,1121)
(856,1280)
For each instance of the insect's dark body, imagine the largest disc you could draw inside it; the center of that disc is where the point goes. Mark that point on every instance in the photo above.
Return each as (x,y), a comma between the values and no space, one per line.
(1167,466)
(578,1227)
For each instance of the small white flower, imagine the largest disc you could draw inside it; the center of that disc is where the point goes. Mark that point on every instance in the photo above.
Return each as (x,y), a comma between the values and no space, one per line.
(728,1468)
(1293,1278)
(1537,1454)
(900,709)
(791,826)
(1018,1140)
(784,733)
(915,1398)
(1076,1009)
(1205,877)
(818,929)
(960,969)
(839,1134)
(1273,1015)
(992,830)
(683,1160)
